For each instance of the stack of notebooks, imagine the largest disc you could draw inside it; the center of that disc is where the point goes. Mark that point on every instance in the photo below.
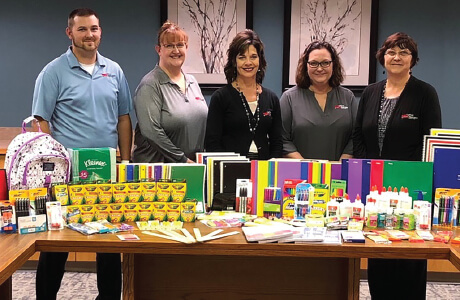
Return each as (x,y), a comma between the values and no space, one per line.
(442,147)
(222,171)
(290,234)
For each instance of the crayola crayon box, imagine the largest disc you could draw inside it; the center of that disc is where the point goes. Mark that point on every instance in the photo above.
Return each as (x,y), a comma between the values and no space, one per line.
(92,164)
(134,192)
(130,212)
(101,211)
(105,192)
(159,211)
(320,198)
(149,190)
(145,211)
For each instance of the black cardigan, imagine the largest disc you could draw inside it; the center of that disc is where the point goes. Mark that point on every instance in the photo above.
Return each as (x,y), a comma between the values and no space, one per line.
(416,111)
(227,127)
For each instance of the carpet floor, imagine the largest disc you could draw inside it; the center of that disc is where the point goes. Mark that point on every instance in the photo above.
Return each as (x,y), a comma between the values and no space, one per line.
(82,286)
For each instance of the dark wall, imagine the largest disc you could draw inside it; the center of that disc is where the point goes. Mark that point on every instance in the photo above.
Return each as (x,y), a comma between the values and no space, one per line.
(32,34)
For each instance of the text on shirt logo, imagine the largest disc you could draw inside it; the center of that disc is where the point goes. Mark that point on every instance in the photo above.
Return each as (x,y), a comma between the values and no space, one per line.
(341,106)
(409,117)
(267,113)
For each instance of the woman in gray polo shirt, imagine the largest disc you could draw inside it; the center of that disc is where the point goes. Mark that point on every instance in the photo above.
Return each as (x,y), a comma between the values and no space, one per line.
(318,114)
(170,109)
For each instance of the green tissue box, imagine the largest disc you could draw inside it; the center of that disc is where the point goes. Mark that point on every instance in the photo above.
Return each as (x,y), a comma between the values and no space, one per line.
(91,164)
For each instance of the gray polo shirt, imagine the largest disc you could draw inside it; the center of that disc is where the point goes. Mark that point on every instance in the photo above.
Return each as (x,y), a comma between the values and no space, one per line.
(171,125)
(315,133)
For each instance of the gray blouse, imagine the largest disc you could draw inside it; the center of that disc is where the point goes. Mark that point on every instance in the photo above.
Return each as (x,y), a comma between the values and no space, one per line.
(314,133)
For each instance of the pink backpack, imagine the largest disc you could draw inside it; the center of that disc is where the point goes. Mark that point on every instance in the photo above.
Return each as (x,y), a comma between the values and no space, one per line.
(35,159)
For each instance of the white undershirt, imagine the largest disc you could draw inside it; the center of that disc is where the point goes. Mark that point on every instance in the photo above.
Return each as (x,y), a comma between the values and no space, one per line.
(88,68)
(253,107)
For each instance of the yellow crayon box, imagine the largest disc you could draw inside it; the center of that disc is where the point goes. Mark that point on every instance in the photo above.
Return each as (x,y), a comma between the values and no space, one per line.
(149,190)
(178,190)
(60,193)
(134,192)
(105,193)
(76,194)
(130,212)
(116,212)
(145,211)
(163,191)
(188,211)
(173,211)
(159,211)
(87,213)
(73,214)
(101,211)
(91,193)
(120,192)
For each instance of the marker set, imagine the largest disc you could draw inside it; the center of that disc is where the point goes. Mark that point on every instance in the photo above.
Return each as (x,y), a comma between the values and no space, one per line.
(272,202)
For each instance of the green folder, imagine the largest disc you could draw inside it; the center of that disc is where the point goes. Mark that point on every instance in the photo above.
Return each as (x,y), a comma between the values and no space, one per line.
(194,175)
(415,175)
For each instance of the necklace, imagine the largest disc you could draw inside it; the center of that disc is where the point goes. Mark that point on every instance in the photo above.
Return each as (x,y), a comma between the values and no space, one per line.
(253,120)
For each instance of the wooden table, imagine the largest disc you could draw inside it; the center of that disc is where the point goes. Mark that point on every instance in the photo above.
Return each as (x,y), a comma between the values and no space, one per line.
(228,268)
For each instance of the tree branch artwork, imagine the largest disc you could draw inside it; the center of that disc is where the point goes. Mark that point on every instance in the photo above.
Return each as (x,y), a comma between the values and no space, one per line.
(213,27)
(331,20)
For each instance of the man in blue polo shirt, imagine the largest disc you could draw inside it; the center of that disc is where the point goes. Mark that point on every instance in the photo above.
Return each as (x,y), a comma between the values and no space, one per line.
(83,100)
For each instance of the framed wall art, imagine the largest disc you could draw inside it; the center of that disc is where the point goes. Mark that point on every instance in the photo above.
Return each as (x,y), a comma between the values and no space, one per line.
(210,25)
(350,26)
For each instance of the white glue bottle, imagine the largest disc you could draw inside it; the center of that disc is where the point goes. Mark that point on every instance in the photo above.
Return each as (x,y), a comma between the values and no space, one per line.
(357,208)
(406,200)
(346,207)
(333,207)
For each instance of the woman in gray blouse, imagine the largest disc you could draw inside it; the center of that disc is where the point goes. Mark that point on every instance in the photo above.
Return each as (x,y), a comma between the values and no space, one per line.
(318,114)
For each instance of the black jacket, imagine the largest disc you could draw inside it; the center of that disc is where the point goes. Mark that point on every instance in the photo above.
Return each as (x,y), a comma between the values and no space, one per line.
(227,127)
(415,113)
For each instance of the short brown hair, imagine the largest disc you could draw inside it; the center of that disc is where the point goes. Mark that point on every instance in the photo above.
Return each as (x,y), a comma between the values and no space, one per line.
(240,45)
(169,29)
(401,40)
(80,12)
(303,80)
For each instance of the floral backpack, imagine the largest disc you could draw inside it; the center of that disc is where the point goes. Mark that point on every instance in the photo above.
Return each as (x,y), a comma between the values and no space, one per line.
(35,159)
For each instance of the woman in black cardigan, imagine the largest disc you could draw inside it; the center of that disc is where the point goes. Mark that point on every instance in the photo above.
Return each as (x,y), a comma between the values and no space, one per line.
(243,116)
(393,116)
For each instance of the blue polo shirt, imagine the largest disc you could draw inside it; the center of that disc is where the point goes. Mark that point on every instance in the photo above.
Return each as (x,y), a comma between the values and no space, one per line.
(81,108)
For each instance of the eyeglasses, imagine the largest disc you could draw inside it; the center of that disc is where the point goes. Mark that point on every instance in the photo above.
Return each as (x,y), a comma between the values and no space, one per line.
(323,64)
(392,53)
(171,47)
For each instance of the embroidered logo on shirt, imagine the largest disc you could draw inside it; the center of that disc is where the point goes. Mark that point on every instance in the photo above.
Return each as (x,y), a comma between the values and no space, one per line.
(409,117)
(199,99)
(341,106)
(105,75)
(267,113)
